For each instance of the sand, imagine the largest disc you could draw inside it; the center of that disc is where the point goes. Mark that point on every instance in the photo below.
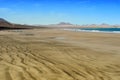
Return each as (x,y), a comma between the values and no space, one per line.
(54,54)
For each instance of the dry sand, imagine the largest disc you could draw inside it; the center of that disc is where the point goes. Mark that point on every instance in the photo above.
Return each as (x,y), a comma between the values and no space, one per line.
(52,54)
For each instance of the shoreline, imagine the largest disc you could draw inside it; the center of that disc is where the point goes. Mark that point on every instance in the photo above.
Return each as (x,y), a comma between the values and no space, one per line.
(94,31)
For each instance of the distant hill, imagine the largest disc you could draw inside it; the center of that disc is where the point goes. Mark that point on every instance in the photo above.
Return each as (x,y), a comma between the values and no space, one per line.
(4,24)
(101,26)
(64,23)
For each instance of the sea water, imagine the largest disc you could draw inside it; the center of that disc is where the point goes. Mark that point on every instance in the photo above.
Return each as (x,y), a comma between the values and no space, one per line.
(105,30)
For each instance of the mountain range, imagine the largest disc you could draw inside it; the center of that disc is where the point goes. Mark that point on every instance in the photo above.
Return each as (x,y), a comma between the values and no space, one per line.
(4,24)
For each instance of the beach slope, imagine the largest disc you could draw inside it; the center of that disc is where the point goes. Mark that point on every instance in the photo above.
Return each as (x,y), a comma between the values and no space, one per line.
(53,54)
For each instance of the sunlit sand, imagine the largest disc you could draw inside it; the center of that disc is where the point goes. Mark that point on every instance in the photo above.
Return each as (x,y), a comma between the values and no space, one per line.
(53,54)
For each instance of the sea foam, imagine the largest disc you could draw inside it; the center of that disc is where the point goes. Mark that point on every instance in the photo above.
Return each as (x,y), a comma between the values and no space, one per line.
(103,30)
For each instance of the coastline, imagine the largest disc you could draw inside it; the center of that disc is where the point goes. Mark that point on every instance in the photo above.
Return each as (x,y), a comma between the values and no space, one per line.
(93,30)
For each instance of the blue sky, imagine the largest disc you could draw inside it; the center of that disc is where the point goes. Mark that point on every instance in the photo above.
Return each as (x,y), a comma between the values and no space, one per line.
(55,11)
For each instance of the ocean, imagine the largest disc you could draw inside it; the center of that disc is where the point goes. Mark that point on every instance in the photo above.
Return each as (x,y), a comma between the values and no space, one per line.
(103,30)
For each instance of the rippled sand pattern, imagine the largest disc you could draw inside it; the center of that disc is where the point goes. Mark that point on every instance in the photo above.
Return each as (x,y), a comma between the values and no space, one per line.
(48,56)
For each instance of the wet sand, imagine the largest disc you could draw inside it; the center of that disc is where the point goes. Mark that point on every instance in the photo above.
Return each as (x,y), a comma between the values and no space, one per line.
(53,54)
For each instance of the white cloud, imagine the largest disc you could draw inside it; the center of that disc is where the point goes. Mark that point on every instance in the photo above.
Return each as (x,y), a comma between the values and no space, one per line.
(4,9)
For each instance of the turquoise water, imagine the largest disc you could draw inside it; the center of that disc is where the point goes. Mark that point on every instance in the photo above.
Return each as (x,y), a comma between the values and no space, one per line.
(105,30)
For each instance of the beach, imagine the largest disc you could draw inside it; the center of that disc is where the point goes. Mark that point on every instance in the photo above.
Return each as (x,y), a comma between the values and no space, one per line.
(57,54)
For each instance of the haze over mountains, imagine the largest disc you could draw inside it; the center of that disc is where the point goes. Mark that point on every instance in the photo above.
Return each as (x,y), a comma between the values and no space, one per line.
(7,25)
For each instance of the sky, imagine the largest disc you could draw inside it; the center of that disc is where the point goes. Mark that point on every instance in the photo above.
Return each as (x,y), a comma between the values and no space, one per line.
(55,11)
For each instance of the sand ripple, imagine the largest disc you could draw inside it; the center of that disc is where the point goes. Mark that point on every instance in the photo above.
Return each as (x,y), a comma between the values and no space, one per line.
(53,61)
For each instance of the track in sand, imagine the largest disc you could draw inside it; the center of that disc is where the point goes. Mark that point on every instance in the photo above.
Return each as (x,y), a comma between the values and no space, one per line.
(50,59)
